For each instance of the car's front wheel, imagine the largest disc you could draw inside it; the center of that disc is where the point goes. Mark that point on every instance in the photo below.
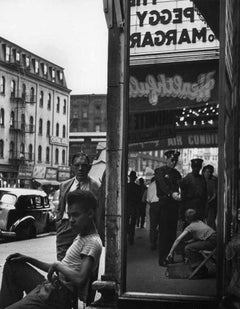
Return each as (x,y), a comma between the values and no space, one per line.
(26,232)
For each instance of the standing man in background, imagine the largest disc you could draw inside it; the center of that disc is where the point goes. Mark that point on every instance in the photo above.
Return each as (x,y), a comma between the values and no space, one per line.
(80,167)
(154,213)
(167,182)
(194,190)
(134,198)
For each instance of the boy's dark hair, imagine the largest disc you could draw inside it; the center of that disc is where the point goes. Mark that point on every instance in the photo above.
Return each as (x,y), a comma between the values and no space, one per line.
(191,215)
(85,199)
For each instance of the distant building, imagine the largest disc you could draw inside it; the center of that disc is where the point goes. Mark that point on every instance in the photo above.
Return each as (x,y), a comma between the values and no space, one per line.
(34,116)
(88,123)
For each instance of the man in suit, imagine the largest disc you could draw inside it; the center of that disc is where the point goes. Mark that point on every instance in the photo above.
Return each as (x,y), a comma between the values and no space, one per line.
(80,167)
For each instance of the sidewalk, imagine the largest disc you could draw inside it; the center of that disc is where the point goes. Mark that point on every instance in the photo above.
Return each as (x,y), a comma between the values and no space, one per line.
(146,276)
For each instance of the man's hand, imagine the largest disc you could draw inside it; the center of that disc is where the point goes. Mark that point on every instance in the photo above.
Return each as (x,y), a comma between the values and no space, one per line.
(17,257)
(53,271)
(176,196)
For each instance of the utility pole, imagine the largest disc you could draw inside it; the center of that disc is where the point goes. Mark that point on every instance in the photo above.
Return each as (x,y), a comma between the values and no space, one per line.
(117,17)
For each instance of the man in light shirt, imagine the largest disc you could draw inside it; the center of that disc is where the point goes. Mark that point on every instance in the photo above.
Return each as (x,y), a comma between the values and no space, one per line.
(154,212)
(80,167)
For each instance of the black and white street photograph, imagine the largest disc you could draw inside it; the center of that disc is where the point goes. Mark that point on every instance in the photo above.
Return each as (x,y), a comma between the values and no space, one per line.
(119,154)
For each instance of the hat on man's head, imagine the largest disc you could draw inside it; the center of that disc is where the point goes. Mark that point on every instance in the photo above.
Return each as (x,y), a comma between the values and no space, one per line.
(197,162)
(133,175)
(174,154)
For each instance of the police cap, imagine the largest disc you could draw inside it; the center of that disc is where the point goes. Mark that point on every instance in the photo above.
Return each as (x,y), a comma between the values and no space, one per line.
(197,162)
(132,175)
(174,154)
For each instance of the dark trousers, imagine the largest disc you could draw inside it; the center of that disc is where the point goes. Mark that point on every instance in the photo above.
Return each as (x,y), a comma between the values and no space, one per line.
(192,249)
(141,215)
(154,213)
(131,221)
(168,218)
(21,277)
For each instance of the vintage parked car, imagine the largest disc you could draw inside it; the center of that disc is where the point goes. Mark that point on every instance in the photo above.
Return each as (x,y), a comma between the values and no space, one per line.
(24,213)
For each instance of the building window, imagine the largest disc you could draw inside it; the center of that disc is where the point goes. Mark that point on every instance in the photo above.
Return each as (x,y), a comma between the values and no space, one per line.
(60,76)
(32,95)
(30,152)
(64,107)
(58,104)
(1,148)
(44,69)
(63,157)
(40,126)
(13,88)
(53,74)
(22,151)
(23,91)
(31,124)
(48,128)
(12,120)
(11,150)
(2,116)
(36,66)
(47,155)
(7,53)
(49,101)
(64,131)
(97,112)
(41,99)
(56,156)
(2,85)
(17,56)
(97,128)
(84,113)
(57,129)
(39,153)
(23,122)
(27,61)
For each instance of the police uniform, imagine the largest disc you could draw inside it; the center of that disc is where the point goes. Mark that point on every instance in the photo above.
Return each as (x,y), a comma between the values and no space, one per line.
(167,181)
(194,190)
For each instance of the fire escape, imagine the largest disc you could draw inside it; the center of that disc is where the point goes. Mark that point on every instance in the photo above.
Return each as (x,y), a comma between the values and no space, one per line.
(19,125)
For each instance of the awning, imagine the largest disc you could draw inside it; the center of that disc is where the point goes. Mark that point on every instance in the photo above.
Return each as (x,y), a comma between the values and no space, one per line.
(97,170)
(46,182)
(7,169)
(209,9)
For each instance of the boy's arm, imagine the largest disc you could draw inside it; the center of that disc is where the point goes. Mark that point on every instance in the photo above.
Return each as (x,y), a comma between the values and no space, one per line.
(176,242)
(18,257)
(79,278)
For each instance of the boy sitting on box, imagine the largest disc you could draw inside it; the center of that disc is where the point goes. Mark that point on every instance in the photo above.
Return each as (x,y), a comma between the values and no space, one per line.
(63,278)
(203,238)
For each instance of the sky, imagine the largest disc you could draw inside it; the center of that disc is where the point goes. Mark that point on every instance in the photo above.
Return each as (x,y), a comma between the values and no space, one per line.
(69,33)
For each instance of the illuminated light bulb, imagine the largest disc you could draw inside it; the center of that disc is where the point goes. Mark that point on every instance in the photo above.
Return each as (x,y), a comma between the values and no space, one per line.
(182,118)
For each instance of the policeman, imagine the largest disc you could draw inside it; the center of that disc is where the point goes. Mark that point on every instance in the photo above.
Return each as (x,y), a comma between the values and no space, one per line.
(167,182)
(194,189)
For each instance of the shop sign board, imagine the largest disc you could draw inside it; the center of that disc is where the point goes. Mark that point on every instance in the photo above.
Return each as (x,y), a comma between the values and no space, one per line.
(51,173)
(58,141)
(171,86)
(149,126)
(64,173)
(39,171)
(168,26)
(25,172)
(201,139)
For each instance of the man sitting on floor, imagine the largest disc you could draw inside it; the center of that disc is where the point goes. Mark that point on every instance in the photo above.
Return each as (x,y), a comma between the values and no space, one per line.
(203,238)
(64,278)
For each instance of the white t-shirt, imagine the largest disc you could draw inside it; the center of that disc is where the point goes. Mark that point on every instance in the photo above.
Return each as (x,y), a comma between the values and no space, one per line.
(199,230)
(90,245)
